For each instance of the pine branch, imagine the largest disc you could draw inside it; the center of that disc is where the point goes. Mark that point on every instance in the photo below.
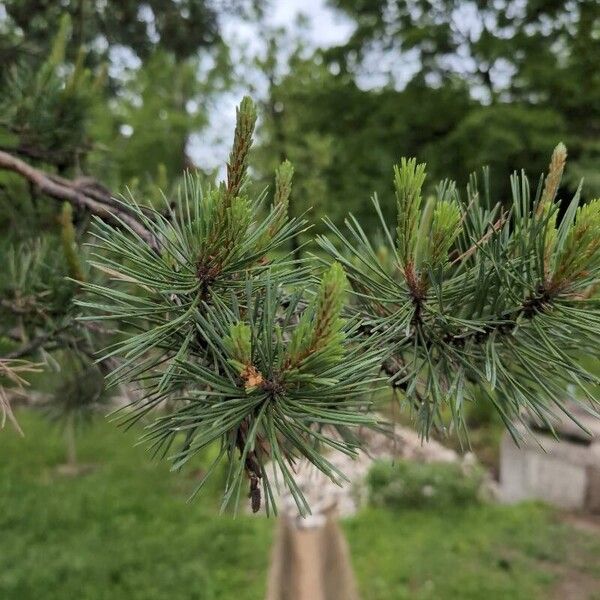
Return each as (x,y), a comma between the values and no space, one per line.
(320,323)
(509,318)
(283,190)
(13,370)
(408,181)
(553,179)
(545,207)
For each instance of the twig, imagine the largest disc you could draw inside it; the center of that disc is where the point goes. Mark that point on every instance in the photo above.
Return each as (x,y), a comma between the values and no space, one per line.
(494,227)
(33,345)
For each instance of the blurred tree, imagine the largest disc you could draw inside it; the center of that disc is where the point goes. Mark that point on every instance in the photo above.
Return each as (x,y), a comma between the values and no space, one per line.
(465,83)
(286,135)
(45,111)
(151,118)
(180,27)
(45,119)
(520,48)
(345,140)
(77,397)
(64,129)
(503,136)
(539,55)
(60,111)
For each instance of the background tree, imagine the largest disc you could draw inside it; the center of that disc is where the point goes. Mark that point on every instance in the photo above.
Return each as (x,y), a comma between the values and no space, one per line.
(283,118)
(179,28)
(351,138)
(458,84)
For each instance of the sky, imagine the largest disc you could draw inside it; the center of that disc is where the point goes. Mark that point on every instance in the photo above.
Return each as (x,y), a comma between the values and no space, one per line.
(324,27)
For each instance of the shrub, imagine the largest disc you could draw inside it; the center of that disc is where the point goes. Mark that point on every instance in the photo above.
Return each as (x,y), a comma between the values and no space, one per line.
(404,484)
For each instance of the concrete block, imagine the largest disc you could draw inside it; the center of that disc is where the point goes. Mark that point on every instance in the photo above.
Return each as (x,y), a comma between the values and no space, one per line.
(563,473)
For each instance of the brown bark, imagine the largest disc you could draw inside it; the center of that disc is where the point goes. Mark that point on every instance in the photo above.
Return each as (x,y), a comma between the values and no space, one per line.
(101,205)
(311,563)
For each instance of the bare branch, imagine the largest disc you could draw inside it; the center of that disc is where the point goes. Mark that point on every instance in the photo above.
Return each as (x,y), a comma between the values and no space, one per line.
(101,205)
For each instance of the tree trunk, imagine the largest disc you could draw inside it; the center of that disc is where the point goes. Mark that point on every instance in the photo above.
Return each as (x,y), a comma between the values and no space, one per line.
(311,561)
(71,445)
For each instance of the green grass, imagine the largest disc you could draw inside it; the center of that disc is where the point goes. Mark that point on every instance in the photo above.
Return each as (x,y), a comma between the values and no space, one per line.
(122,531)
(125,531)
(485,552)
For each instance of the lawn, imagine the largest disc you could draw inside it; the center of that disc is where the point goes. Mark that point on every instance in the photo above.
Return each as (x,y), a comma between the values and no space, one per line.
(125,530)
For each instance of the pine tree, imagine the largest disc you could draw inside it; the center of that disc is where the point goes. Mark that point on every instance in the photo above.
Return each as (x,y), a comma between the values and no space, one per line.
(46,112)
(214,326)
(268,356)
(473,299)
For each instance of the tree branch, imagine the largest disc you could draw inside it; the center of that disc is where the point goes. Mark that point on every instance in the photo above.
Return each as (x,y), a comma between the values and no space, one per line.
(36,343)
(102,206)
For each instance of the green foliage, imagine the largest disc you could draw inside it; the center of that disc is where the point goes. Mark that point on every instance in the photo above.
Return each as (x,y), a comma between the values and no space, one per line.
(45,111)
(210,243)
(266,391)
(404,485)
(520,37)
(285,388)
(242,140)
(343,140)
(283,188)
(445,228)
(318,331)
(251,350)
(283,184)
(218,328)
(490,301)
(408,181)
(581,247)
(33,287)
(458,84)
(159,106)
(180,27)
(38,321)
(238,345)
(426,235)
(507,136)
(72,110)
(285,135)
